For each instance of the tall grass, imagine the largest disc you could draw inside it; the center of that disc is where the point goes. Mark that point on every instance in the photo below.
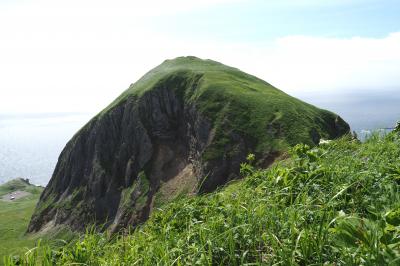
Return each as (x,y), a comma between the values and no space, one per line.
(336,204)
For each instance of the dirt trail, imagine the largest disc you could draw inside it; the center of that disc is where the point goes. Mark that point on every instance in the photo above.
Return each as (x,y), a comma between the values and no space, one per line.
(18,194)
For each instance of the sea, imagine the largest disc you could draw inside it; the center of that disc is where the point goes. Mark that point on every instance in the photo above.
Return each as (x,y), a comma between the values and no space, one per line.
(31,143)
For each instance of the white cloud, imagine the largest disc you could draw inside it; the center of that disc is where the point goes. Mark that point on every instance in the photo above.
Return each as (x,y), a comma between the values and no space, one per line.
(311,63)
(107,8)
(318,3)
(306,63)
(80,55)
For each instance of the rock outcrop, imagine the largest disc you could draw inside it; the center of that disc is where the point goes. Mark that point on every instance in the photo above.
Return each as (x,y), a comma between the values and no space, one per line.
(185,127)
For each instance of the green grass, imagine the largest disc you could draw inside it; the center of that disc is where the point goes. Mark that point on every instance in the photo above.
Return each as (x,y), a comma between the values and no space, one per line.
(15,216)
(19,184)
(14,219)
(336,204)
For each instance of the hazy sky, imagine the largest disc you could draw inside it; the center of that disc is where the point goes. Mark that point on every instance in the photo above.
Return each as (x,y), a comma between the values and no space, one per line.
(78,55)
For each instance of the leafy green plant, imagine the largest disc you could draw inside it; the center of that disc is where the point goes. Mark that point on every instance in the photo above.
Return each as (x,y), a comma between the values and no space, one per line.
(334,204)
(397,127)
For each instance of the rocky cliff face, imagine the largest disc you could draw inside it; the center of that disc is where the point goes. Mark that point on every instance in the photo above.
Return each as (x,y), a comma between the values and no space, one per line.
(160,139)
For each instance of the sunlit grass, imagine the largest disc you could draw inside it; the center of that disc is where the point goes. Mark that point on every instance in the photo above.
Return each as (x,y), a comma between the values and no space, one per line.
(336,204)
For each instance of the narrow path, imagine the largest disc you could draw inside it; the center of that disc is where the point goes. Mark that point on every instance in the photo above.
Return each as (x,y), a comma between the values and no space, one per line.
(18,194)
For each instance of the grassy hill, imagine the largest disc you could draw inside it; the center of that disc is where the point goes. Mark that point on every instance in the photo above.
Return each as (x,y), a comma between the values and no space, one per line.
(15,216)
(188,121)
(335,204)
(14,219)
(236,102)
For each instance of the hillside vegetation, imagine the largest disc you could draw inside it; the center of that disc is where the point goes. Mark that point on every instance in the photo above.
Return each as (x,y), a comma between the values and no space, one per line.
(14,219)
(335,204)
(15,216)
(236,101)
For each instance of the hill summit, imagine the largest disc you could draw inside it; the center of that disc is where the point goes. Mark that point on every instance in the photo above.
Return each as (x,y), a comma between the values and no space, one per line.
(184,127)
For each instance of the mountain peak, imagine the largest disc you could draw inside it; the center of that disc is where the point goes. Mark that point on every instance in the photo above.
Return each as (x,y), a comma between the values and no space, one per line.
(184,127)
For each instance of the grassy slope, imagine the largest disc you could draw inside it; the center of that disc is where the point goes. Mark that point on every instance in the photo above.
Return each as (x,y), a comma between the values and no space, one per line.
(337,204)
(14,220)
(237,102)
(15,216)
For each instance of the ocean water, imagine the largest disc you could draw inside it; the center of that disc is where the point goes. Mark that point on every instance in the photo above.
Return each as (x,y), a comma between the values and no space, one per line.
(30,144)
(366,111)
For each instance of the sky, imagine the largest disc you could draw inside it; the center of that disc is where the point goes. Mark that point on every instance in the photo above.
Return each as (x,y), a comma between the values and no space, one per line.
(78,55)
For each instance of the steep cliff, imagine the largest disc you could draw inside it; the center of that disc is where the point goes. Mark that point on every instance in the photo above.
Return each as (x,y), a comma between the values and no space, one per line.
(184,127)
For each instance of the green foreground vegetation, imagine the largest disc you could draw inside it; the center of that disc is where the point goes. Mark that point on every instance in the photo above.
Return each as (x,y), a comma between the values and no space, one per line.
(335,204)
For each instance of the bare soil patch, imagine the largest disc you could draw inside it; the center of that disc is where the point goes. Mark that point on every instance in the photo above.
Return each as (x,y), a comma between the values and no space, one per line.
(12,196)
